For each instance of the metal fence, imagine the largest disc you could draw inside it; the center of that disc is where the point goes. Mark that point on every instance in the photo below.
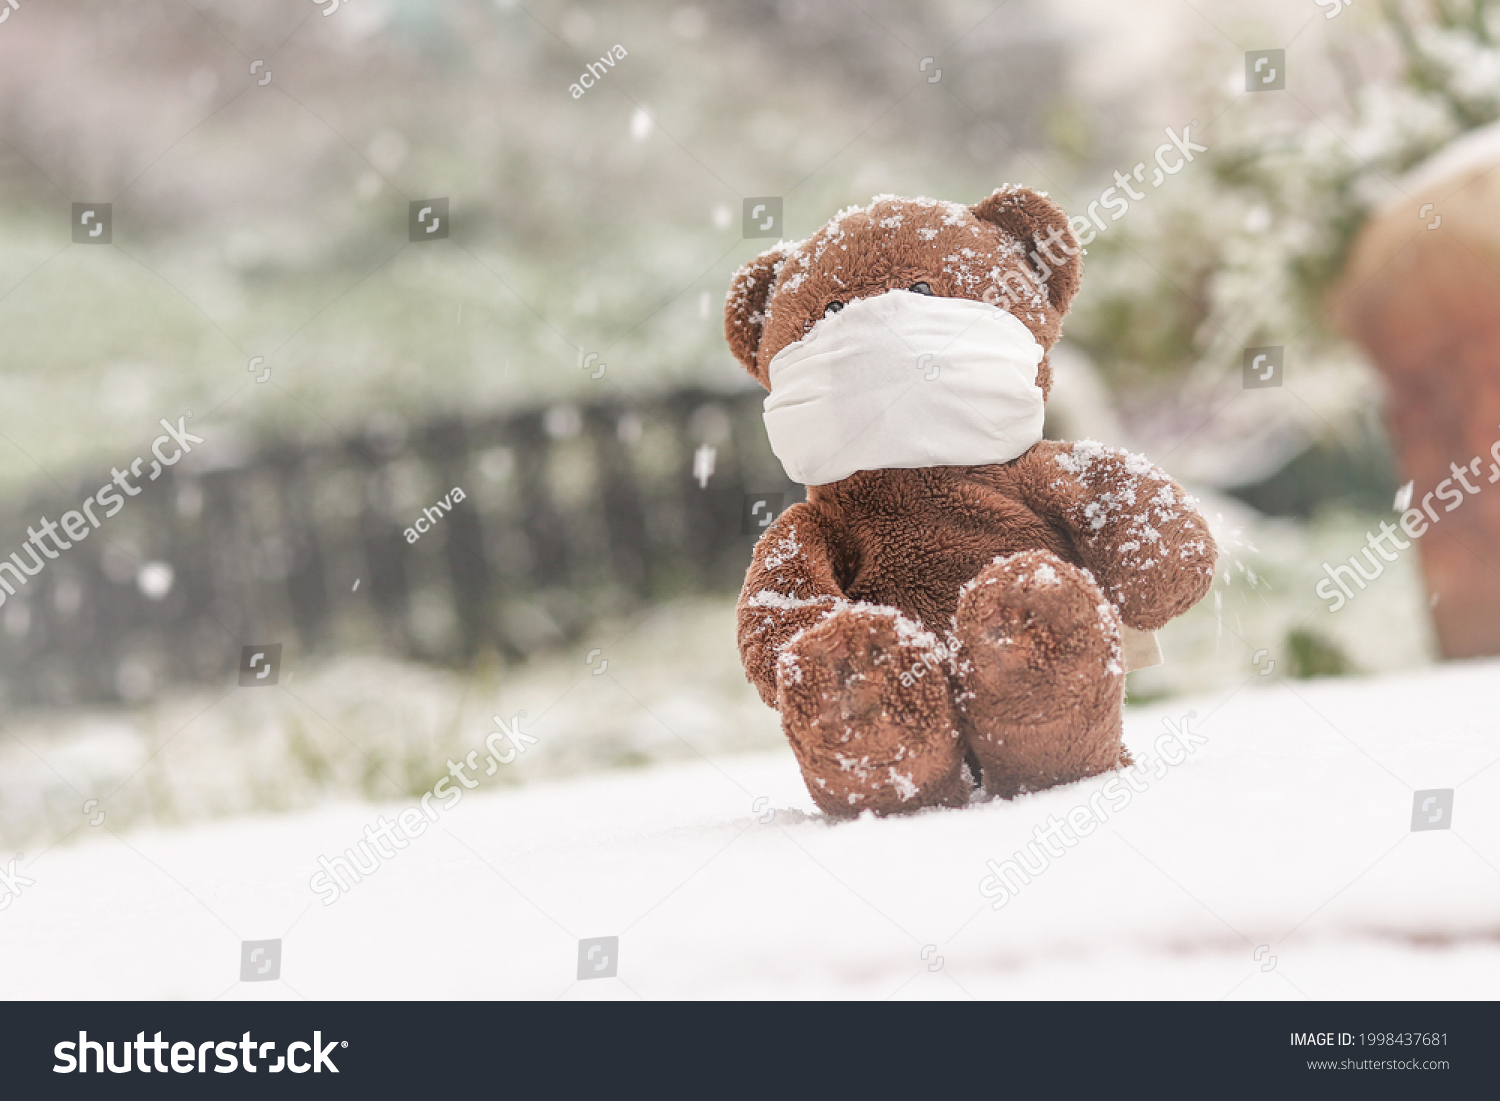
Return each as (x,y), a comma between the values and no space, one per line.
(567,515)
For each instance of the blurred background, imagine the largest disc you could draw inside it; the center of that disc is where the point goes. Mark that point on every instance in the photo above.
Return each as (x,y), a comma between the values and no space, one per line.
(556,354)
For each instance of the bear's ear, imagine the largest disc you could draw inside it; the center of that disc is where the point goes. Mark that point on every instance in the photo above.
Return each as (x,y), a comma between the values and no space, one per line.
(1030,218)
(745,307)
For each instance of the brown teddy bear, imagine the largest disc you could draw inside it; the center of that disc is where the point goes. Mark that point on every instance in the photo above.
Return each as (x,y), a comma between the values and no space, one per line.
(953,603)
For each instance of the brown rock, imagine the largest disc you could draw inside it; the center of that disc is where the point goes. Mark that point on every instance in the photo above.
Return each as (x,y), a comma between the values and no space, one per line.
(1425,305)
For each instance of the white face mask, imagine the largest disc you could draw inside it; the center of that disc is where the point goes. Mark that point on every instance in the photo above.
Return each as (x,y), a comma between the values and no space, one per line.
(904,380)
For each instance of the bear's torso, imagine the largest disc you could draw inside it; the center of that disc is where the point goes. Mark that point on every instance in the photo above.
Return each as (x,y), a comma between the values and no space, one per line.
(911,538)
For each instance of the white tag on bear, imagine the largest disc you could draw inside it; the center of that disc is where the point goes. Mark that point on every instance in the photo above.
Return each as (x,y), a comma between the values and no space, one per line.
(1141,649)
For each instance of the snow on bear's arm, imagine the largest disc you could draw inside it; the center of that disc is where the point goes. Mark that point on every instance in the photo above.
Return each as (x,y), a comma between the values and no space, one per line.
(1138,531)
(790,586)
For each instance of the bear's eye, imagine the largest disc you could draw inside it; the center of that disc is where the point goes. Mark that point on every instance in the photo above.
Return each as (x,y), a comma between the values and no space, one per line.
(921,288)
(832,308)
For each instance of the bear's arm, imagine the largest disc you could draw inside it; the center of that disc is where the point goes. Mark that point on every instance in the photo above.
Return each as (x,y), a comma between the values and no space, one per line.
(789,586)
(1136,529)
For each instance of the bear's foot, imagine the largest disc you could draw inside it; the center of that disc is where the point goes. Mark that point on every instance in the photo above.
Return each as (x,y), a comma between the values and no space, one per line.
(865,701)
(1040,672)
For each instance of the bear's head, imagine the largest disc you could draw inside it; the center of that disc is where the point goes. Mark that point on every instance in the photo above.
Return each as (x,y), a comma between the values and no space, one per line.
(1014,250)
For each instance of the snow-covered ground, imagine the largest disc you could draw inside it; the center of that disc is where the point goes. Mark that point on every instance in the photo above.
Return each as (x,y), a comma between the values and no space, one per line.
(1276,860)
(351,726)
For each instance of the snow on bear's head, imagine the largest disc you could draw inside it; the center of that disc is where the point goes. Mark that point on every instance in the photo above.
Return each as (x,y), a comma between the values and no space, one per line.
(1014,250)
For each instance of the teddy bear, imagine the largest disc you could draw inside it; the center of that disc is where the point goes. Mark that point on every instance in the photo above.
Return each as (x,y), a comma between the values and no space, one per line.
(949,613)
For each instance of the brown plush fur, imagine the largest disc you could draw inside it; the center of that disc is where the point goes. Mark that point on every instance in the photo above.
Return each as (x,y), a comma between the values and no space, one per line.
(904,621)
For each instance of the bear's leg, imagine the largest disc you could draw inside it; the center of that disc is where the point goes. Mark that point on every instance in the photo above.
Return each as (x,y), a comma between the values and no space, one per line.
(1041,678)
(866,703)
